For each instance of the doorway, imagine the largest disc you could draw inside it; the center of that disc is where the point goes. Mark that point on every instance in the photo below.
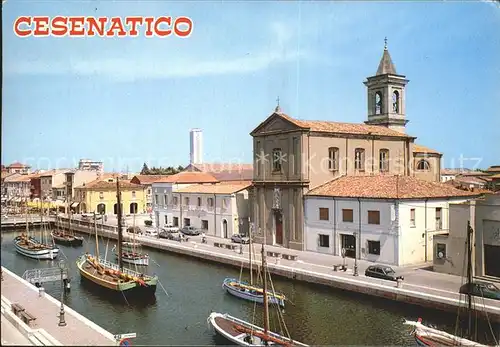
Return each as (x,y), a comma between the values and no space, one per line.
(491,263)
(278,223)
(348,242)
(224,228)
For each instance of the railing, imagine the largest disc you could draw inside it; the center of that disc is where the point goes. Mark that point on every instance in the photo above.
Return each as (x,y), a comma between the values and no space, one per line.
(45,275)
(114,266)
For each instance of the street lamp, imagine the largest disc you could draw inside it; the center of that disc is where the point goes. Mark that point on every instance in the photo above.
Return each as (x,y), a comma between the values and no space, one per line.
(62,266)
(355,234)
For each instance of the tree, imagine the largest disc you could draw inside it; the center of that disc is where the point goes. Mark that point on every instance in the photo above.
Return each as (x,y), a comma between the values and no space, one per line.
(145,170)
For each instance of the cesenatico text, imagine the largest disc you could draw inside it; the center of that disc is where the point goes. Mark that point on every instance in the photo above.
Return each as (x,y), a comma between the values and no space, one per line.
(80,26)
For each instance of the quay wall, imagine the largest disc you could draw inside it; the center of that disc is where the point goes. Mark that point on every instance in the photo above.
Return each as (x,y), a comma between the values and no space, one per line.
(391,292)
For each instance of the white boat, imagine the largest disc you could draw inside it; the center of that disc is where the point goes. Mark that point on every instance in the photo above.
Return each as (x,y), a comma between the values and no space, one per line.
(426,336)
(242,333)
(32,248)
(246,291)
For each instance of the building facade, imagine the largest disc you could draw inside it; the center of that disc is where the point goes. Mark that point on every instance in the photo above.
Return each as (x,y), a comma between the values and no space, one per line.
(195,146)
(385,219)
(50,180)
(100,197)
(450,254)
(76,178)
(147,181)
(293,156)
(19,168)
(90,165)
(218,209)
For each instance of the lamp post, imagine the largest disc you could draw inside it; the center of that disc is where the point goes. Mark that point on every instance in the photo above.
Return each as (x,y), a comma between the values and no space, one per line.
(355,234)
(62,266)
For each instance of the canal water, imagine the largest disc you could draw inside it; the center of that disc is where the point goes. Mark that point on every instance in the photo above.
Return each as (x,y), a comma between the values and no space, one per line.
(319,315)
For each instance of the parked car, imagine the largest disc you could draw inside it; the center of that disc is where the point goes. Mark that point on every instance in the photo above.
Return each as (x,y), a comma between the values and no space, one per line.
(148,222)
(238,238)
(189,230)
(482,289)
(151,232)
(382,271)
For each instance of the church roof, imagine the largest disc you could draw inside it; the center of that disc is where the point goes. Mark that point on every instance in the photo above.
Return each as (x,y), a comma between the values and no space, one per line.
(386,65)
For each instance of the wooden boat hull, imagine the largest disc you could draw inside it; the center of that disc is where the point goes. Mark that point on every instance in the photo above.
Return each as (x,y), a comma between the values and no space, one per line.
(142,259)
(225,325)
(47,253)
(68,240)
(88,272)
(244,290)
(426,336)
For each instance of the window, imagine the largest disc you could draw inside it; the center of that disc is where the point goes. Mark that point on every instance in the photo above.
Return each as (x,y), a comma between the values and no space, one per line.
(373,217)
(423,165)
(439,222)
(204,224)
(324,213)
(210,202)
(441,250)
(296,155)
(412,217)
(101,195)
(165,199)
(258,157)
(374,247)
(333,158)
(395,101)
(347,215)
(384,160)
(166,219)
(175,200)
(378,103)
(149,191)
(187,222)
(359,159)
(186,201)
(199,201)
(277,159)
(133,194)
(176,221)
(324,240)
(224,203)
(156,198)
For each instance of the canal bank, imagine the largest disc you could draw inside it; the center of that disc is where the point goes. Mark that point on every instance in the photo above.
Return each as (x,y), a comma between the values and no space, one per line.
(35,314)
(439,292)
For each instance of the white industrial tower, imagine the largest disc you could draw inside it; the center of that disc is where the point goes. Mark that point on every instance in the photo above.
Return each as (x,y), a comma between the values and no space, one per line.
(196,146)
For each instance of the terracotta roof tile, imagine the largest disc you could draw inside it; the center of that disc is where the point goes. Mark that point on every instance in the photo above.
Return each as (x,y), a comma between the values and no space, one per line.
(148,179)
(386,187)
(17,165)
(219,188)
(189,177)
(494,168)
(422,149)
(99,184)
(343,128)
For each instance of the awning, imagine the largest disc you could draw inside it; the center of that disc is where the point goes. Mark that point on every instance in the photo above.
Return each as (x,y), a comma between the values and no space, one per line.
(75,204)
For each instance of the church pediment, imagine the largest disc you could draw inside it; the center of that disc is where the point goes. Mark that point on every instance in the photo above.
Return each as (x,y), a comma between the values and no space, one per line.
(275,123)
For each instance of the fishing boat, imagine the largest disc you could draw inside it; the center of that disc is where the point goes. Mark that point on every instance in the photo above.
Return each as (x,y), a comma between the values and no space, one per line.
(249,291)
(130,253)
(243,333)
(64,237)
(111,276)
(30,247)
(427,336)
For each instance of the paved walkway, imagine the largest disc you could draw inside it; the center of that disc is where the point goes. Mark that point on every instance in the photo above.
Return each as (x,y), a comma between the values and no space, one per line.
(76,332)
(11,336)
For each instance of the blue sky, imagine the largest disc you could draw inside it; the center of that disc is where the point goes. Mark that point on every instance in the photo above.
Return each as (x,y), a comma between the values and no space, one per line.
(127,101)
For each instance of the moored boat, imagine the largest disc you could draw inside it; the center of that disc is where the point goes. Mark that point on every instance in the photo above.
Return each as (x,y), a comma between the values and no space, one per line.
(63,238)
(132,257)
(244,290)
(32,248)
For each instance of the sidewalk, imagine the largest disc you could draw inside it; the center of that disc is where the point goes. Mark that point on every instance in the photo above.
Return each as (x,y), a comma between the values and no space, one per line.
(11,336)
(78,331)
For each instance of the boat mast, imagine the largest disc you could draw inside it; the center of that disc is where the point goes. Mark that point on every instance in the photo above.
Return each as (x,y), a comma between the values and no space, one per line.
(470,231)
(119,215)
(266,307)
(26,214)
(250,253)
(41,222)
(96,241)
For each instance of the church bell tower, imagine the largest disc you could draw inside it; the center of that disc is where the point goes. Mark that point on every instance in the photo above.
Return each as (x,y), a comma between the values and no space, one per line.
(386,95)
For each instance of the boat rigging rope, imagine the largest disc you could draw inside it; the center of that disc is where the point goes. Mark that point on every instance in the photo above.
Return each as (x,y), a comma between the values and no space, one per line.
(281,318)
(162,287)
(489,324)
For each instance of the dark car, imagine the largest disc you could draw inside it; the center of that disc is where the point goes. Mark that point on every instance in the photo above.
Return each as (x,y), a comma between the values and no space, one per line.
(189,230)
(134,230)
(238,238)
(382,271)
(482,289)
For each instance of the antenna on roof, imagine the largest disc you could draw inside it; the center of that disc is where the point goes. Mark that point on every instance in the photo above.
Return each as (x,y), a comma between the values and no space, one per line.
(277,109)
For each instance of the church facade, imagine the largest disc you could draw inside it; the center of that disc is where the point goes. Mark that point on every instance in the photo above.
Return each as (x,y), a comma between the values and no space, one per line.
(294,156)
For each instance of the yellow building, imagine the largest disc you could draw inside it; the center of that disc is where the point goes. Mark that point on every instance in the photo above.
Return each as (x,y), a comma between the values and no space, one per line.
(100,196)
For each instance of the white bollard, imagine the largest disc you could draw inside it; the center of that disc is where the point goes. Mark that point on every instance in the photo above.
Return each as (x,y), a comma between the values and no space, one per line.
(41,292)
(399,283)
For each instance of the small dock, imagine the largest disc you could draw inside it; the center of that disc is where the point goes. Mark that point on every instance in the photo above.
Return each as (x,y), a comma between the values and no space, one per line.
(43,310)
(19,222)
(40,276)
